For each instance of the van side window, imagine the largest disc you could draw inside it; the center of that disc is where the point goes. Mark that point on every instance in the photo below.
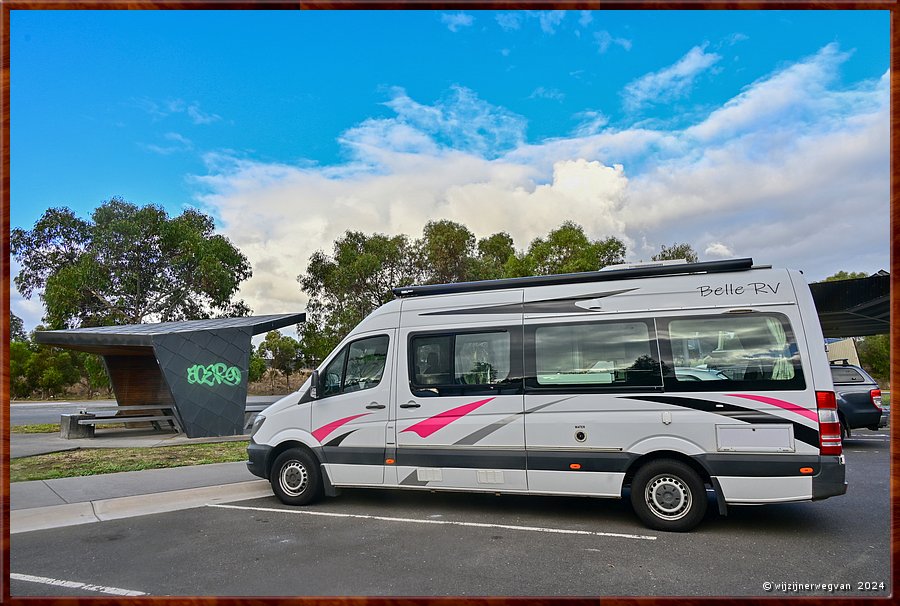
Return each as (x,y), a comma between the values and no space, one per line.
(753,351)
(359,365)
(463,359)
(481,358)
(596,354)
(365,363)
(334,372)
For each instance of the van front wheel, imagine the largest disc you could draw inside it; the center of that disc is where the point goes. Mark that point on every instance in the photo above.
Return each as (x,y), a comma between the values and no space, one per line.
(295,478)
(668,495)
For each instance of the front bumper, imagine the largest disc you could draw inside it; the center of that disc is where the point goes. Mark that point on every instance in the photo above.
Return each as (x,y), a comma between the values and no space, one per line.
(831,479)
(258,459)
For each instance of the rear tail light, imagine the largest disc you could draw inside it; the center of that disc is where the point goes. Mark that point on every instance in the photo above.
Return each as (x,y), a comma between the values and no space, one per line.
(876,398)
(829,424)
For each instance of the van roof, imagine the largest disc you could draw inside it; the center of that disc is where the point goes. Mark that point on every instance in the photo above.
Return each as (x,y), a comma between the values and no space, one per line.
(645,271)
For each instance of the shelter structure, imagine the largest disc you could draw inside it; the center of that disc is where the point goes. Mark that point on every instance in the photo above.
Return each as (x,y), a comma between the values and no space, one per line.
(854,308)
(198,368)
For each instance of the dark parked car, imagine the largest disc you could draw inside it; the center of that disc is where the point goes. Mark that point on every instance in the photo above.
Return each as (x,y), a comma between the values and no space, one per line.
(858,398)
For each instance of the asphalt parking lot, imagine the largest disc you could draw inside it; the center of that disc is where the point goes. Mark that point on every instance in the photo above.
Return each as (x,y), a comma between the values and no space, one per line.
(399,543)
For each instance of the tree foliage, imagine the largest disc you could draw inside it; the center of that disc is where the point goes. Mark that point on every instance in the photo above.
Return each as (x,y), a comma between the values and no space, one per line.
(494,252)
(93,373)
(676,251)
(566,249)
(843,275)
(47,371)
(128,264)
(41,369)
(283,351)
(16,328)
(257,367)
(347,285)
(875,357)
(359,275)
(447,250)
(19,357)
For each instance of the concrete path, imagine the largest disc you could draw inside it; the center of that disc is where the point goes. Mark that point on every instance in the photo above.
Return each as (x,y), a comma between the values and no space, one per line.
(43,504)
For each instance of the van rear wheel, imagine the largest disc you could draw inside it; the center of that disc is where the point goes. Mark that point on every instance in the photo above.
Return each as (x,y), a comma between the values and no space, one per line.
(295,477)
(668,495)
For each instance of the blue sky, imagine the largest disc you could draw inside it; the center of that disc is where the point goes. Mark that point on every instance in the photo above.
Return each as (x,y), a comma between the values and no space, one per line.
(745,133)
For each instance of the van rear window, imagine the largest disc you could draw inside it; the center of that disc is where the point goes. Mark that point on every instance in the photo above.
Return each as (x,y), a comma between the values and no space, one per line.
(753,351)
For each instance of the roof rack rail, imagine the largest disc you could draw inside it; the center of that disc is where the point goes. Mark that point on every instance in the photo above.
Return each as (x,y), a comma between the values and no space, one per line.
(587,276)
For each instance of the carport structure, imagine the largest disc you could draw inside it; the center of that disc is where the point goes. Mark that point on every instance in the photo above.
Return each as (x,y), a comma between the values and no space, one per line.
(854,308)
(198,368)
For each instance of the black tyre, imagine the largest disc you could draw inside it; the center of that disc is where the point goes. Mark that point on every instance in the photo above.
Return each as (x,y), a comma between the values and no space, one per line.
(668,495)
(845,432)
(295,477)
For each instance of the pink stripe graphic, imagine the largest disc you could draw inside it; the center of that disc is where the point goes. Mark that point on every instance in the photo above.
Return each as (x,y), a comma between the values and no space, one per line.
(432,424)
(809,414)
(323,431)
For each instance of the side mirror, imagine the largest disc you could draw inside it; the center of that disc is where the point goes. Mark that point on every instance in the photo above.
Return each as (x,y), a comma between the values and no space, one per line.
(314,385)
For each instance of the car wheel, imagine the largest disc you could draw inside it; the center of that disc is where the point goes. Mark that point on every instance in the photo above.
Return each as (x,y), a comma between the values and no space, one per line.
(844,432)
(668,495)
(295,477)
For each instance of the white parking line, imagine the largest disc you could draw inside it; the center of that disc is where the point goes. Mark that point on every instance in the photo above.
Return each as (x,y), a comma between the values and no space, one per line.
(73,584)
(445,522)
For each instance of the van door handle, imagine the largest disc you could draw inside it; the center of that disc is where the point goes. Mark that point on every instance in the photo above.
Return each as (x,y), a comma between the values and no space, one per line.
(410,404)
(375,406)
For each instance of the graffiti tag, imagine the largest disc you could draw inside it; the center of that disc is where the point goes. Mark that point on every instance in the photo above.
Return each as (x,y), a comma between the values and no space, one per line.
(214,374)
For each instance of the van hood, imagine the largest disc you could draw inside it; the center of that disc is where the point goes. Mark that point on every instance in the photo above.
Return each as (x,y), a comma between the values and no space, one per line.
(287,401)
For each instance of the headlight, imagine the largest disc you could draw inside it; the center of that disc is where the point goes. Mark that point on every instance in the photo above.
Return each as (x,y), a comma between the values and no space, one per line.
(257,423)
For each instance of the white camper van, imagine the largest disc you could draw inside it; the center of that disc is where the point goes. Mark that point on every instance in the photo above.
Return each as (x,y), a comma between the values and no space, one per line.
(663,381)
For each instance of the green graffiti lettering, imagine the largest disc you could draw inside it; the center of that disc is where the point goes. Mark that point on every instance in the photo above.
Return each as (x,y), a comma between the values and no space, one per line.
(213,374)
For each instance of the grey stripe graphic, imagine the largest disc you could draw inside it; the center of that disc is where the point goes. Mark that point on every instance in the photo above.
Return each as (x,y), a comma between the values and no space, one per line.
(413,480)
(487,430)
(547,306)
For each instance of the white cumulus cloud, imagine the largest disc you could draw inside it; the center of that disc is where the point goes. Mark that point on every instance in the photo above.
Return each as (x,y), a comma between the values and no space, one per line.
(552,94)
(782,182)
(717,249)
(604,40)
(550,20)
(455,21)
(669,83)
(509,21)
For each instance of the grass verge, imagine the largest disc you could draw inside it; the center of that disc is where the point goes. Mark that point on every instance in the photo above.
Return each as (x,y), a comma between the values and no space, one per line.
(38,428)
(52,427)
(93,461)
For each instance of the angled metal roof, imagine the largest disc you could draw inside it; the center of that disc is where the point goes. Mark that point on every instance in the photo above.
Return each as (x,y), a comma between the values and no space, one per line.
(854,308)
(142,334)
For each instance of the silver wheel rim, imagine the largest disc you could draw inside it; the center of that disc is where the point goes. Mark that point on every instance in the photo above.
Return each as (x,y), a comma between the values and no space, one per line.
(668,497)
(293,478)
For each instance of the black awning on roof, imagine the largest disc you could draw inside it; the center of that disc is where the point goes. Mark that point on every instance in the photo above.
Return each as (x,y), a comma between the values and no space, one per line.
(854,308)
